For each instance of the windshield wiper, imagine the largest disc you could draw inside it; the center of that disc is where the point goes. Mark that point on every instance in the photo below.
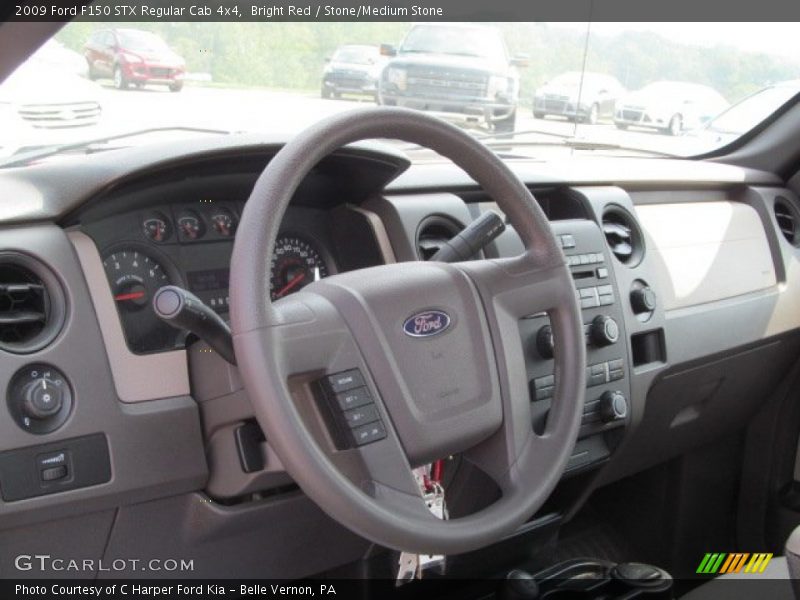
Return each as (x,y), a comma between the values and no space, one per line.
(23,158)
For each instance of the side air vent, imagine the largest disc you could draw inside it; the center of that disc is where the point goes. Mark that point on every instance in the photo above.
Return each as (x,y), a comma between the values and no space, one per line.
(32,304)
(787,217)
(623,235)
(433,233)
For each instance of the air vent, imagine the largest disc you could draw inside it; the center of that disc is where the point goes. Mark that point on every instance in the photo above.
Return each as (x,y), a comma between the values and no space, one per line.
(433,233)
(623,235)
(787,217)
(31,304)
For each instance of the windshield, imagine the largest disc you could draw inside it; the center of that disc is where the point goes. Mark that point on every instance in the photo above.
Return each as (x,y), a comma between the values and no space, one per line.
(141,41)
(526,89)
(751,111)
(356,56)
(455,40)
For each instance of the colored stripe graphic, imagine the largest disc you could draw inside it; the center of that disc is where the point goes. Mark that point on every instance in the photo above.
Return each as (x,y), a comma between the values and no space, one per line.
(714,563)
(734,562)
(758,563)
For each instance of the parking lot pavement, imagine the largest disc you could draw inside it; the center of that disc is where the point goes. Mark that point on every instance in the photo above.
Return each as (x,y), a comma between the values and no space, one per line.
(235,109)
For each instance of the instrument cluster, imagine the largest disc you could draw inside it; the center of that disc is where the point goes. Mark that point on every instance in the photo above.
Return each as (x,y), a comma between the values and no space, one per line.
(190,245)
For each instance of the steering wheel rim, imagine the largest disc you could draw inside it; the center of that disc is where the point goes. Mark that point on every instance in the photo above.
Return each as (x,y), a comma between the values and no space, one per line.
(351,320)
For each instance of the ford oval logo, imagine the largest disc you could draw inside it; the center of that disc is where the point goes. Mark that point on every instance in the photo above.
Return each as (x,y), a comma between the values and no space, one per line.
(425,324)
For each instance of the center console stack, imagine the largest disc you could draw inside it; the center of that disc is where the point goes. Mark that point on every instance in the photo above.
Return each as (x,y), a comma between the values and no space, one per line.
(607,406)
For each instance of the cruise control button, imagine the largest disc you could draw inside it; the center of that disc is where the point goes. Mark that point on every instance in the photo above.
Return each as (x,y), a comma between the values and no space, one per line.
(354,398)
(361,416)
(369,433)
(346,380)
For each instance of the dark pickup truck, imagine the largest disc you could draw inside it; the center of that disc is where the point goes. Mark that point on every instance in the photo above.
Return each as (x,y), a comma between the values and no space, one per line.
(458,71)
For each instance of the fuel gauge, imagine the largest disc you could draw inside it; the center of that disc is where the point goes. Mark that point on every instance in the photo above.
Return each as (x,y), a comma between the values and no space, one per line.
(190,225)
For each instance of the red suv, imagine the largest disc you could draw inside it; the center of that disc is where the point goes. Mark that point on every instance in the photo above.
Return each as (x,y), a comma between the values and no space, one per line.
(133,57)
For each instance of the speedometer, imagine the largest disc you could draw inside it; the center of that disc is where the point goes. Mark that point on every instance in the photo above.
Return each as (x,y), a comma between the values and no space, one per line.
(135,276)
(295,264)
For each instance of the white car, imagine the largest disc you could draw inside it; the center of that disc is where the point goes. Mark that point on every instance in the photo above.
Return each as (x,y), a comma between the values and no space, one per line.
(45,101)
(669,106)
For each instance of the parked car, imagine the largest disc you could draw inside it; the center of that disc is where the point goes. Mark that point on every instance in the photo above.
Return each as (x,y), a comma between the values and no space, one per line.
(44,101)
(458,71)
(744,115)
(669,106)
(133,57)
(578,96)
(353,69)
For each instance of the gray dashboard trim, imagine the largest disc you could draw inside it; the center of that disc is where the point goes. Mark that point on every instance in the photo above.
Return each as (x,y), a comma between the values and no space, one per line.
(624,172)
(137,377)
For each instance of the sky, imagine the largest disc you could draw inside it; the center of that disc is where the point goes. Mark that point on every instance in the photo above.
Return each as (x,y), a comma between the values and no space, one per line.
(781,39)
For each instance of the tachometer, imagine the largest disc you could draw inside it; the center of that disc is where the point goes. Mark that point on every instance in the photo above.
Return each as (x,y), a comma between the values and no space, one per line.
(135,277)
(295,264)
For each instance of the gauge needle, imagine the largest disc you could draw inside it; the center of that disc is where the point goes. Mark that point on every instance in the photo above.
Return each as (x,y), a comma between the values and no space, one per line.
(292,283)
(316,273)
(129,296)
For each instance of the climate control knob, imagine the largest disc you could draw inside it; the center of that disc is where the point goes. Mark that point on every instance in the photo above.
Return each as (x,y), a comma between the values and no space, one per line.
(613,406)
(544,342)
(643,300)
(604,330)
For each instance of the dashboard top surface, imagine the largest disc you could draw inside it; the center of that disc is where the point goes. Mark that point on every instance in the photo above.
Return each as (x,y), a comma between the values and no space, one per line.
(53,189)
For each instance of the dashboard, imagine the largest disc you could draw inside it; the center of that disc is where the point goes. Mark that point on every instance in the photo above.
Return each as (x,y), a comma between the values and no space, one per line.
(687,275)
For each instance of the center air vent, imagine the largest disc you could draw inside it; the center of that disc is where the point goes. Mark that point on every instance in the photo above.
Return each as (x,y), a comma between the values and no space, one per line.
(433,233)
(623,235)
(787,217)
(31,304)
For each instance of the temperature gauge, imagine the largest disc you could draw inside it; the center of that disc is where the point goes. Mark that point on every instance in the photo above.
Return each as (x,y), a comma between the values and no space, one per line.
(223,221)
(156,227)
(190,225)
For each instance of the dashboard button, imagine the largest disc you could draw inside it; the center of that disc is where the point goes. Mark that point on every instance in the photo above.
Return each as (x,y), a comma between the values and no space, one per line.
(602,273)
(366,434)
(53,473)
(353,398)
(346,380)
(567,241)
(361,416)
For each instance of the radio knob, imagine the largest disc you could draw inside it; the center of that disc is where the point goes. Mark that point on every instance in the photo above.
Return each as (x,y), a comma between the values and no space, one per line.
(544,342)
(604,330)
(613,406)
(643,300)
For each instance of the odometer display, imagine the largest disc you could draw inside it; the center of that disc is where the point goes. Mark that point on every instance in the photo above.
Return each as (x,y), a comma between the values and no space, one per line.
(295,264)
(135,277)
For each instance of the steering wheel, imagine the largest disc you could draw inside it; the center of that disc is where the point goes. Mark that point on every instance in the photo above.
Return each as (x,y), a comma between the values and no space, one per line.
(463,390)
